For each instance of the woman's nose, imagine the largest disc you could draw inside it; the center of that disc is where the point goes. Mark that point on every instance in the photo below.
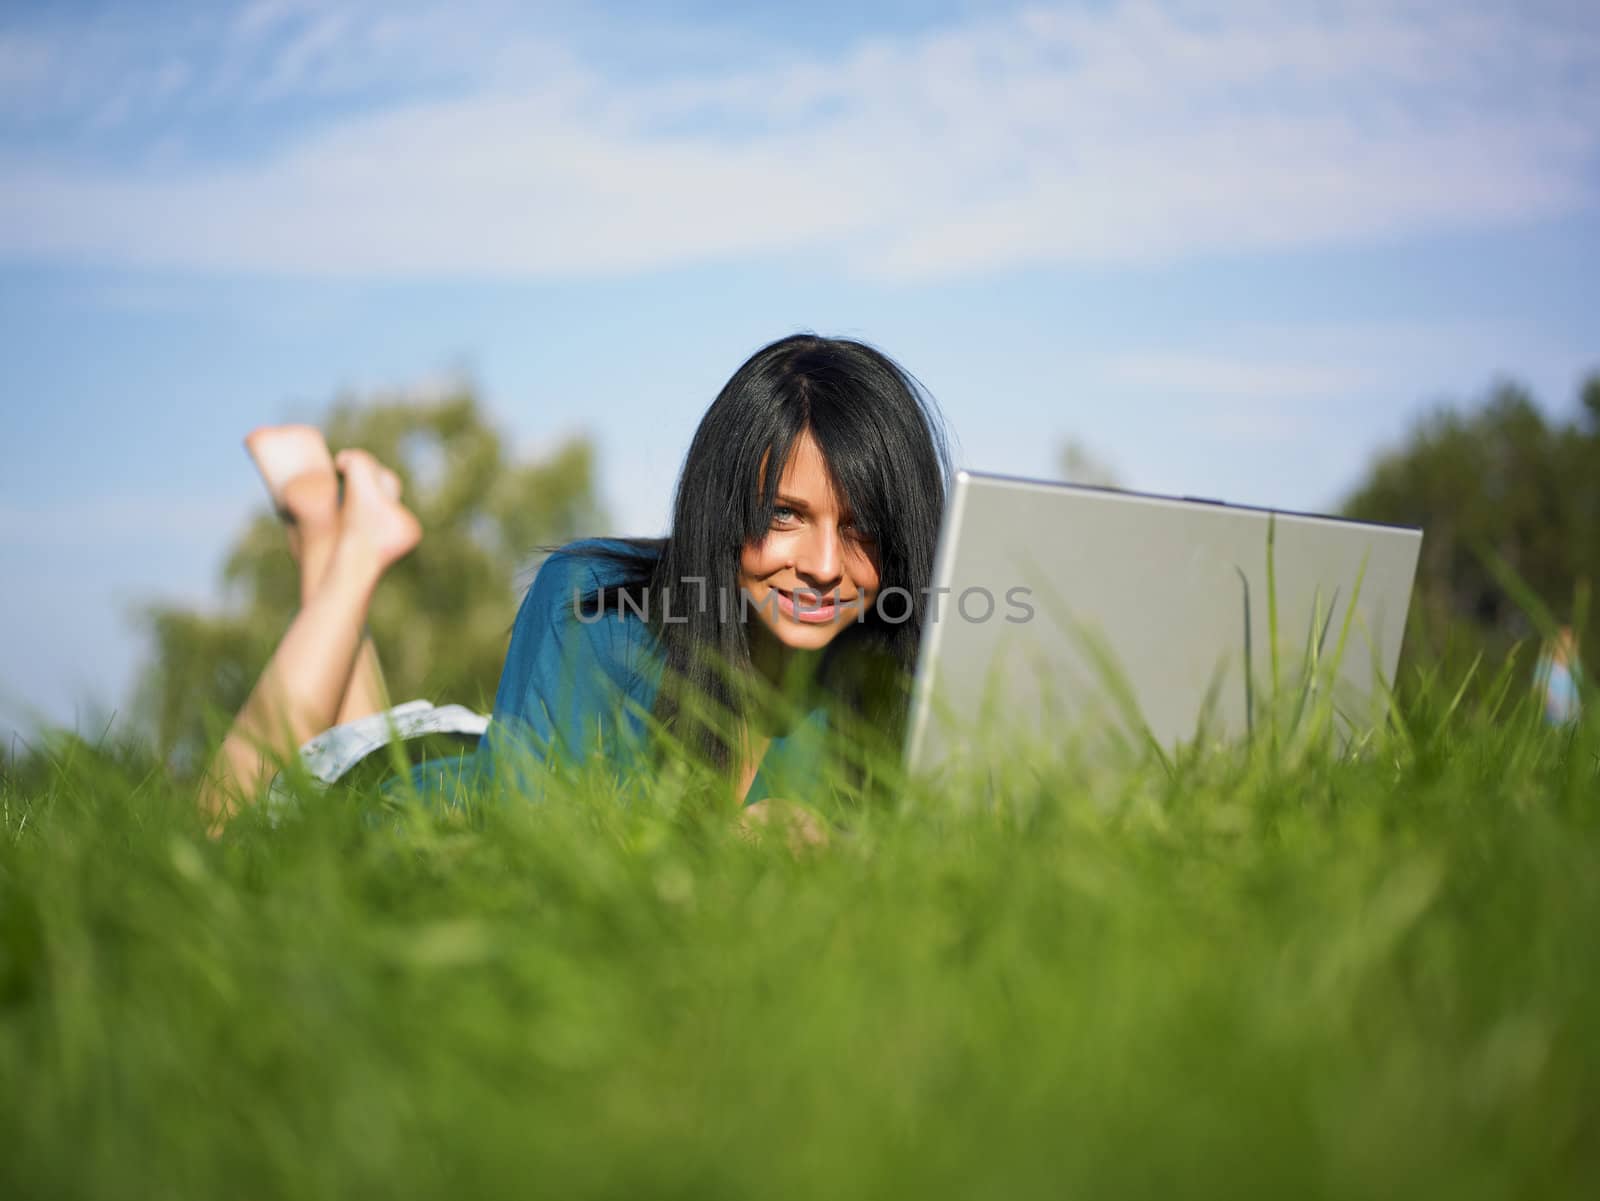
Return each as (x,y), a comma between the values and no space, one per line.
(820,557)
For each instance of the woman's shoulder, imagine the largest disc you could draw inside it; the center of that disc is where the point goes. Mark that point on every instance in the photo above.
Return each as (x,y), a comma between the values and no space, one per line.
(560,637)
(577,586)
(592,563)
(570,671)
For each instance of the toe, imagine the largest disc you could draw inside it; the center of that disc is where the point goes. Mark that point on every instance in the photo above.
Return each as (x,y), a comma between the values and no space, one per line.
(354,462)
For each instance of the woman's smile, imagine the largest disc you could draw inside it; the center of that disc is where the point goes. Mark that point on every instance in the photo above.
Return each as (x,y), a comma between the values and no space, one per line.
(808,604)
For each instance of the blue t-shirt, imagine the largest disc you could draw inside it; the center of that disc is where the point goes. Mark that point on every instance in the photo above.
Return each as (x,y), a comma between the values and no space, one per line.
(576,687)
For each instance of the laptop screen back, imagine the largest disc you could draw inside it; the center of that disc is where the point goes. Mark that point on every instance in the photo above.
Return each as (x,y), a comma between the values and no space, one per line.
(1054,605)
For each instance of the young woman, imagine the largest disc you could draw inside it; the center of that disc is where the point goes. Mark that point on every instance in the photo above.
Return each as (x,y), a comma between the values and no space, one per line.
(802,542)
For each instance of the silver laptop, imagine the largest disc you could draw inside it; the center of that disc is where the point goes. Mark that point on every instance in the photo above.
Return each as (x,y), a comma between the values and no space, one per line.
(1058,608)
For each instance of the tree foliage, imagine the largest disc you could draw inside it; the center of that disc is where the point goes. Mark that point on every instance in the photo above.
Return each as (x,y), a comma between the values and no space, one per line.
(1497,483)
(441,617)
(1077,463)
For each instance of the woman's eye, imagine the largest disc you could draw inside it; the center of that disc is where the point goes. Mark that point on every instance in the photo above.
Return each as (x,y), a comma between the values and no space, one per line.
(783,515)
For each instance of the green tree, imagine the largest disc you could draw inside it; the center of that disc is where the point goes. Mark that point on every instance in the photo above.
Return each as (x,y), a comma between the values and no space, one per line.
(1499,479)
(442,617)
(1078,464)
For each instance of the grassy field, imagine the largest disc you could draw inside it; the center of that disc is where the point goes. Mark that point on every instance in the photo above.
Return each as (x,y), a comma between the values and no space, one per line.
(1273,972)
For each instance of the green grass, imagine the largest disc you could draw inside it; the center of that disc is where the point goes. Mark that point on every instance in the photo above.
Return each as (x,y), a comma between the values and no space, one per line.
(1275,971)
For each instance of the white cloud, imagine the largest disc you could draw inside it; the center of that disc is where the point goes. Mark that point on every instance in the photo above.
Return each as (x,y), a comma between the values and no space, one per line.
(260,17)
(1143,132)
(309,48)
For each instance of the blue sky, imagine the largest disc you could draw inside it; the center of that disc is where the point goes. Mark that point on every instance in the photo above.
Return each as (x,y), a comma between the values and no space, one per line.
(1231,248)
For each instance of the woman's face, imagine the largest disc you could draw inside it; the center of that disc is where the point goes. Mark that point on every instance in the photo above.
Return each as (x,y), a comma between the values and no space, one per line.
(813,573)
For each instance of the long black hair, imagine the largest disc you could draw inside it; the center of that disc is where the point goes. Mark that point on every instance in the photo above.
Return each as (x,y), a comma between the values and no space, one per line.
(883,441)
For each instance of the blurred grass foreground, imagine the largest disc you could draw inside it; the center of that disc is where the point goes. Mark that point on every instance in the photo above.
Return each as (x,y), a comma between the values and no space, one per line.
(1272,971)
(1300,967)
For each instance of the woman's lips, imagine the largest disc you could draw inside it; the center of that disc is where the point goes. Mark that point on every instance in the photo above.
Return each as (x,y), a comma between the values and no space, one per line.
(811,606)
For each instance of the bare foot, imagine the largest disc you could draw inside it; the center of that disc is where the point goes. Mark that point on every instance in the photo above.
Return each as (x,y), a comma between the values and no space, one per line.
(372,513)
(309,503)
(283,452)
(298,470)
